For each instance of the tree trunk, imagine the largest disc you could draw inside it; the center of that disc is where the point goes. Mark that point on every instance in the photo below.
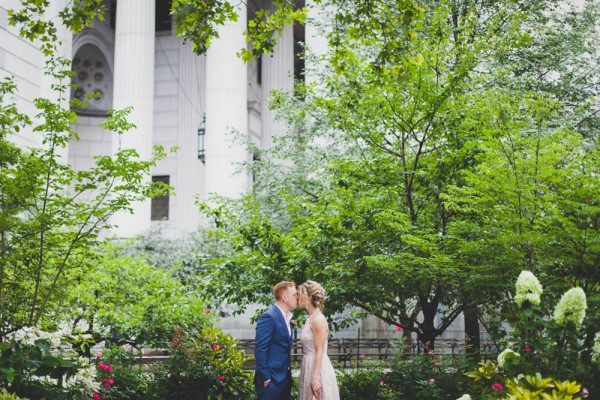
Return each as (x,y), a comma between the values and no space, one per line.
(472,335)
(428,332)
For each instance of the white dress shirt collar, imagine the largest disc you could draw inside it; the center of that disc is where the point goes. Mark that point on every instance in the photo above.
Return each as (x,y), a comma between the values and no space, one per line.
(287,317)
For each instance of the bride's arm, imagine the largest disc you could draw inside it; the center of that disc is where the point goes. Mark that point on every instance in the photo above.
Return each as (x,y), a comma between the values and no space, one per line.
(318,326)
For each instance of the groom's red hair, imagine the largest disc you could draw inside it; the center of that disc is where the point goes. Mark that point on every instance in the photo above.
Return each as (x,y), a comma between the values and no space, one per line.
(280,287)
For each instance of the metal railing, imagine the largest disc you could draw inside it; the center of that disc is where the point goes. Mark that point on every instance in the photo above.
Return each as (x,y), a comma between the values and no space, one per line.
(355,352)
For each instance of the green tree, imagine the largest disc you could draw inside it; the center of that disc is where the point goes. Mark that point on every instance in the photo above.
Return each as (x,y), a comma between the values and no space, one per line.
(531,201)
(409,102)
(50,214)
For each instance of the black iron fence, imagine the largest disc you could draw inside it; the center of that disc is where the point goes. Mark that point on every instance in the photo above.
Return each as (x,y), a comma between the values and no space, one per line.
(356,352)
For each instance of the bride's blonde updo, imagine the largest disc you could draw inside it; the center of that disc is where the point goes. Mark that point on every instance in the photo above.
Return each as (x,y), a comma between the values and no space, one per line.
(315,293)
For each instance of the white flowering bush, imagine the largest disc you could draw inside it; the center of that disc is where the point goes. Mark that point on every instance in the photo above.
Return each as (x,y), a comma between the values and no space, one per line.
(546,352)
(30,335)
(40,365)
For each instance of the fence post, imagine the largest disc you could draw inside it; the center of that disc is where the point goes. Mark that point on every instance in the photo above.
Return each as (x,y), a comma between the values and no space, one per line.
(358,349)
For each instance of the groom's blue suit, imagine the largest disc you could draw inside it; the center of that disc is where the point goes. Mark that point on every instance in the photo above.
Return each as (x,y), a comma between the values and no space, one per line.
(272,349)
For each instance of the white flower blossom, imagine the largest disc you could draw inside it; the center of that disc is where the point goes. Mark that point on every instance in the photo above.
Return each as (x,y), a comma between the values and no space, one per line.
(528,289)
(85,379)
(571,307)
(596,348)
(464,397)
(29,335)
(502,356)
(82,326)
(45,380)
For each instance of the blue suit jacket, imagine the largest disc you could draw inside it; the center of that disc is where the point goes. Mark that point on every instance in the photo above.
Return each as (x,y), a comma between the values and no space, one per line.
(272,347)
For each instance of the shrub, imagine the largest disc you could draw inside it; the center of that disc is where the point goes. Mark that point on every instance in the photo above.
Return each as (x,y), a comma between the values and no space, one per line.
(202,366)
(129,380)
(34,364)
(366,383)
(544,356)
(422,377)
(428,377)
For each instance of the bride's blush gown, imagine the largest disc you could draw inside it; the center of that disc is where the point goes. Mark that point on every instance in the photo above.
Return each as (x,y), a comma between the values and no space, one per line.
(329,387)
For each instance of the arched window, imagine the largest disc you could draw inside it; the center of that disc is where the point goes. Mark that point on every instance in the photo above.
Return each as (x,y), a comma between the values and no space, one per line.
(92,75)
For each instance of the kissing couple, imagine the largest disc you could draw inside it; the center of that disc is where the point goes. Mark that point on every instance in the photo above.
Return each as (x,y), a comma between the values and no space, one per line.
(273,346)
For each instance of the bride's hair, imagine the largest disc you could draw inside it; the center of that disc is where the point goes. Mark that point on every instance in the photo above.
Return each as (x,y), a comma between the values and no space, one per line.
(315,293)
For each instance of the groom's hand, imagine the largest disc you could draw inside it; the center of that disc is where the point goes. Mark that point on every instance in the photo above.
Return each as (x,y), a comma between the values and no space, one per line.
(266,383)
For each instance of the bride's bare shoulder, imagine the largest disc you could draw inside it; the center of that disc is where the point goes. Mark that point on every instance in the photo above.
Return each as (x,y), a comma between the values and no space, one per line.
(318,319)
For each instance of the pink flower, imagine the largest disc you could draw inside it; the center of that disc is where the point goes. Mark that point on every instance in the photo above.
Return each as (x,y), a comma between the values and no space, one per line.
(526,349)
(126,347)
(96,396)
(98,354)
(398,328)
(215,346)
(361,356)
(105,367)
(431,380)
(497,386)
(381,382)
(221,378)
(206,311)
(108,381)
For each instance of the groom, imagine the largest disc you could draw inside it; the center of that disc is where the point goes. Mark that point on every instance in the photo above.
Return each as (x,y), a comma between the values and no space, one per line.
(273,345)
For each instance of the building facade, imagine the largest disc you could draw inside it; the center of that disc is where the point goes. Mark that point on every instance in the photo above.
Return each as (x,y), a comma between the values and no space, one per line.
(178,99)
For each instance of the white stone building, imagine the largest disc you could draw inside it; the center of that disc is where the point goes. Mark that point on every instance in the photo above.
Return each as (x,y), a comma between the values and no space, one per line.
(133,58)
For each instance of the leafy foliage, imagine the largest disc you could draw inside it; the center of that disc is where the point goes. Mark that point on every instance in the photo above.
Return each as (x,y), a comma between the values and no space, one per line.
(201,366)
(538,346)
(422,377)
(35,26)
(364,383)
(33,364)
(423,124)
(51,214)
(4,395)
(198,20)
(535,387)
(129,301)
(131,379)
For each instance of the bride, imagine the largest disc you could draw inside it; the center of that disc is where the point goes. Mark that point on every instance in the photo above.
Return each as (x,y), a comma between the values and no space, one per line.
(317,376)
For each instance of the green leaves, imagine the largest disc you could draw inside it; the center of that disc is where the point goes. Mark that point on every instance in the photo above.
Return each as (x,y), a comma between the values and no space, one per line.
(50,214)
(137,301)
(204,365)
(197,20)
(262,29)
(36,22)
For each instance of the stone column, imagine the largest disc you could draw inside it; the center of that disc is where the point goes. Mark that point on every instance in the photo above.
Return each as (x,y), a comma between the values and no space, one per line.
(226,109)
(318,25)
(277,74)
(134,86)
(192,73)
